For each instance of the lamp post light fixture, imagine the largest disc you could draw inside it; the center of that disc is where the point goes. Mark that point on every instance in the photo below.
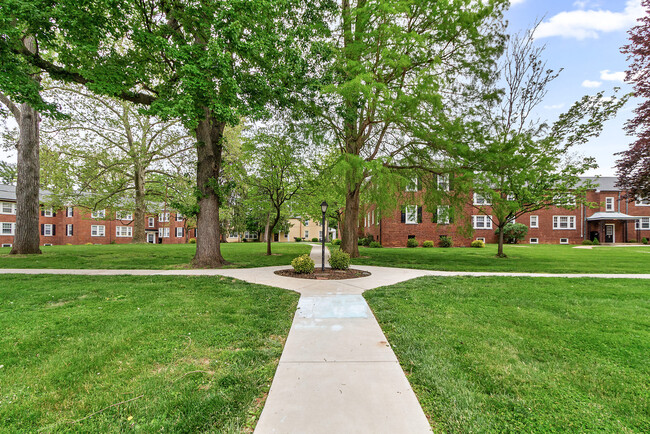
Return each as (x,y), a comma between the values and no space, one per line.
(323,208)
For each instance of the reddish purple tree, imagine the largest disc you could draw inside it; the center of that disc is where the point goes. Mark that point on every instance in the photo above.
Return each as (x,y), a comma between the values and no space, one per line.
(634,166)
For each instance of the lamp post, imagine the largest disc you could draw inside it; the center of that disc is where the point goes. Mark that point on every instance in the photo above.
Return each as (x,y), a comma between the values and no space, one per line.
(323,207)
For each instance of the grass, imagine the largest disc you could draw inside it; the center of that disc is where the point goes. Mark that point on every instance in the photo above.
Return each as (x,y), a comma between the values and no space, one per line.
(194,353)
(150,256)
(523,354)
(521,258)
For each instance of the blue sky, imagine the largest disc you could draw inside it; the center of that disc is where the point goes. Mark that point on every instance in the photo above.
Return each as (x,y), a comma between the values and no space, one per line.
(584,38)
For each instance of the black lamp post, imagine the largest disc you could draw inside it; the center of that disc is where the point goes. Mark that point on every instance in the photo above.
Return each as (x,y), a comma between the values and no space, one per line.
(323,207)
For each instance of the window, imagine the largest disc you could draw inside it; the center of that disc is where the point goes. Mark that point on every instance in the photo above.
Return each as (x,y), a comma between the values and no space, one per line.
(411,212)
(47,244)
(412,185)
(564,241)
(69,230)
(179,217)
(164,232)
(7,208)
(98,214)
(6,245)
(253,236)
(480,200)
(534,241)
(48,212)
(442,215)
(306,234)
(564,222)
(534,221)
(443,182)
(7,228)
(609,204)
(481,222)
(306,222)
(69,211)
(234,235)
(97,231)
(123,231)
(123,216)
(642,223)
(179,232)
(373,217)
(152,221)
(510,197)
(480,239)
(48,230)
(320,235)
(565,200)
(163,217)
(642,202)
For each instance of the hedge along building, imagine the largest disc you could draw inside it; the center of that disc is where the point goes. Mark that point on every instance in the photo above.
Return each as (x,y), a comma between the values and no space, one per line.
(613,219)
(78,225)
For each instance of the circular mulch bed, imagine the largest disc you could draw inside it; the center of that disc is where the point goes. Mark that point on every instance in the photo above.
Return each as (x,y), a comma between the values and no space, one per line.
(328,274)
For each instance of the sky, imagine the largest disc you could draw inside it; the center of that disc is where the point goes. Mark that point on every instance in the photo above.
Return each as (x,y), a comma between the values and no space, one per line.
(582,37)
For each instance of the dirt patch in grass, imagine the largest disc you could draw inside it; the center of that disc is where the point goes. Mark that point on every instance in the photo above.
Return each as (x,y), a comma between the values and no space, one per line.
(328,274)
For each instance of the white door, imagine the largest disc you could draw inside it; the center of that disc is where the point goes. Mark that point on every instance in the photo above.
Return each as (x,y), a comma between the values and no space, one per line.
(151,237)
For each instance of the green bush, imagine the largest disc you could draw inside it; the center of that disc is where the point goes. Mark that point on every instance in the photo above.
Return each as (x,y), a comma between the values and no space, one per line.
(412,242)
(336,242)
(427,243)
(596,242)
(479,244)
(513,232)
(297,239)
(339,260)
(360,242)
(587,243)
(632,241)
(367,240)
(644,240)
(445,241)
(314,240)
(303,264)
(192,241)
(375,244)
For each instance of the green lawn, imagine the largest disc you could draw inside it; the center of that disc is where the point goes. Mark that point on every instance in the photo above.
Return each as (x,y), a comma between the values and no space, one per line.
(192,353)
(523,354)
(521,258)
(150,256)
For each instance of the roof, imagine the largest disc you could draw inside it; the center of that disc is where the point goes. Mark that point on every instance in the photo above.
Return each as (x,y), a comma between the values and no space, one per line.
(604,183)
(8,192)
(611,216)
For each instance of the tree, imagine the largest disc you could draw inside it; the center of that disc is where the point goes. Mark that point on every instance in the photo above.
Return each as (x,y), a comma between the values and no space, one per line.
(205,63)
(7,173)
(519,164)
(399,62)
(111,155)
(277,172)
(633,168)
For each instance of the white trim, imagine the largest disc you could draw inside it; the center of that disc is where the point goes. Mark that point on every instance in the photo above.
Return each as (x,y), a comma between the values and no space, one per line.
(642,223)
(609,204)
(536,224)
(151,222)
(613,232)
(163,232)
(97,230)
(480,200)
(442,215)
(570,222)
(48,212)
(7,245)
(480,239)
(163,217)
(534,242)
(123,231)
(8,208)
(443,181)
(98,214)
(412,186)
(125,217)
(642,202)
(181,232)
(48,229)
(487,222)
(11,229)
(179,217)
(564,241)
(69,230)
(411,214)
(69,211)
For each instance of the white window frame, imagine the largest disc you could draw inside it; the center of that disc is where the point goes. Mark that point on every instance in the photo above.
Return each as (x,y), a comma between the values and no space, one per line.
(47,230)
(487,221)
(642,202)
(11,228)
(164,232)
(571,222)
(443,181)
(480,239)
(7,245)
(480,200)
(564,241)
(642,223)
(253,236)
(609,204)
(151,222)
(69,211)
(69,230)
(412,186)
(163,217)
(125,217)
(97,230)
(179,217)
(48,212)
(442,215)
(181,232)
(123,231)
(564,200)
(8,208)
(534,221)
(411,214)
(534,241)
(98,214)
(306,234)
(510,197)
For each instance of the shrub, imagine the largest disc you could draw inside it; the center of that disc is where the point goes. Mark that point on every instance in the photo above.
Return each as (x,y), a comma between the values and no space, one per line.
(89,244)
(303,264)
(192,241)
(297,239)
(375,245)
(427,243)
(644,240)
(339,260)
(367,240)
(412,242)
(479,244)
(314,240)
(445,241)
(513,232)
(360,242)
(632,241)
(596,242)
(587,243)
(336,242)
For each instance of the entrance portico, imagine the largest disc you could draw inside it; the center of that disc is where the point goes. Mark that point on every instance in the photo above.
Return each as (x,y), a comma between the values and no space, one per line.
(609,227)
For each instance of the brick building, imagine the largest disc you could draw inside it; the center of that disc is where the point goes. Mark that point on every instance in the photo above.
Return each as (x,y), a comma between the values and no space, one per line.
(613,220)
(77,225)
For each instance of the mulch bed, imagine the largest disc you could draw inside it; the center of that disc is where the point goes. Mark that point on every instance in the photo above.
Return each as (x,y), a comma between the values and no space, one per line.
(328,274)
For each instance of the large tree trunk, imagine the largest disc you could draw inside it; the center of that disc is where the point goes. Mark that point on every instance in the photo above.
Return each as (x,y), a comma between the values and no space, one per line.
(139,233)
(27,235)
(209,135)
(349,233)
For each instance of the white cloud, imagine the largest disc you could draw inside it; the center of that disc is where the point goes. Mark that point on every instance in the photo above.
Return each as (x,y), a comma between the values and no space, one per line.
(554,106)
(612,76)
(516,2)
(591,83)
(583,24)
